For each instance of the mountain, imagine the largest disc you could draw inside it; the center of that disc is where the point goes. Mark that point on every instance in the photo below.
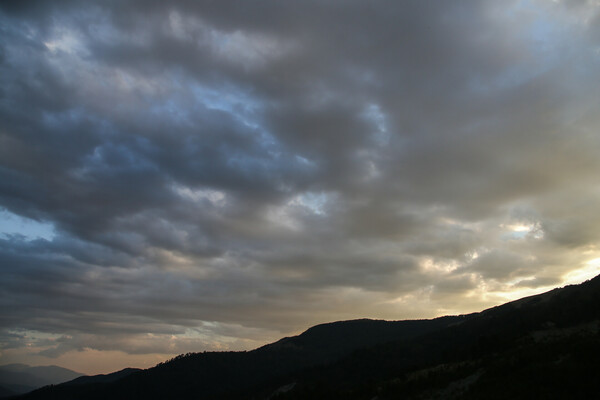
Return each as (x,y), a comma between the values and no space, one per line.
(5,392)
(234,373)
(21,378)
(544,346)
(103,378)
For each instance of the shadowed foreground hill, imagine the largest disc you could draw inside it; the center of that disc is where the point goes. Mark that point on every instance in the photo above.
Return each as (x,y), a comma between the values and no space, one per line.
(544,346)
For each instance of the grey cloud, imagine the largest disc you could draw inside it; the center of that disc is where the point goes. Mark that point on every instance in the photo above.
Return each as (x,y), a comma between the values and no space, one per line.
(501,265)
(265,166)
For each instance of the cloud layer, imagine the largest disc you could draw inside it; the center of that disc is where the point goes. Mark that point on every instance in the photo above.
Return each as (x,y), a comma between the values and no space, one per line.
(217,174)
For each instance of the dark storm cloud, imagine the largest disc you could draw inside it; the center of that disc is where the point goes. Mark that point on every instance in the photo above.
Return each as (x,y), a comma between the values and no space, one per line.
(254,167)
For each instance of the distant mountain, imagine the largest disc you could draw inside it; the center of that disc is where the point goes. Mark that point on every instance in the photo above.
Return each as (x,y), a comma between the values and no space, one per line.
(21,378)
(544,346)
(5,392)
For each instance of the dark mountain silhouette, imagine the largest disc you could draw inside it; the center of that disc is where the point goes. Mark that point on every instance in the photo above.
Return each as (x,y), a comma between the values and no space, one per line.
(544,346)
(103,378)
(21,378)
(234,373)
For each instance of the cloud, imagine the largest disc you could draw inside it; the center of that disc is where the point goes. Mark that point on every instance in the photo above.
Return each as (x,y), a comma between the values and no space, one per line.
(245,172)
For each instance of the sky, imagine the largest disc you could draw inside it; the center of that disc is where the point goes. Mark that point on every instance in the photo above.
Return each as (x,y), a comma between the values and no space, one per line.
(214,175)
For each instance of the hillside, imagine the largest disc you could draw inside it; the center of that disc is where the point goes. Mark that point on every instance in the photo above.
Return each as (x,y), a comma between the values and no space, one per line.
(102,378)
(545,346)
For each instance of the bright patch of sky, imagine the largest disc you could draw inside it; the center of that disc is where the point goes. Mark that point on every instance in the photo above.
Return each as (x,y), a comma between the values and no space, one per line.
(226,99)
(241,106)
(238,47)
(13,224)
(305,161)
(375,115)
(314,201)
(248,49)
(215,197)
(285,216)
(281,218)
(520,230)
(515,293)
(65,40)
(544,33)
(589,270)
(429,265)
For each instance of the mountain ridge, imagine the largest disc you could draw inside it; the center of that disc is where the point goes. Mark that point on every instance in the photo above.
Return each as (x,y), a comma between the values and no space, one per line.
(363,357)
